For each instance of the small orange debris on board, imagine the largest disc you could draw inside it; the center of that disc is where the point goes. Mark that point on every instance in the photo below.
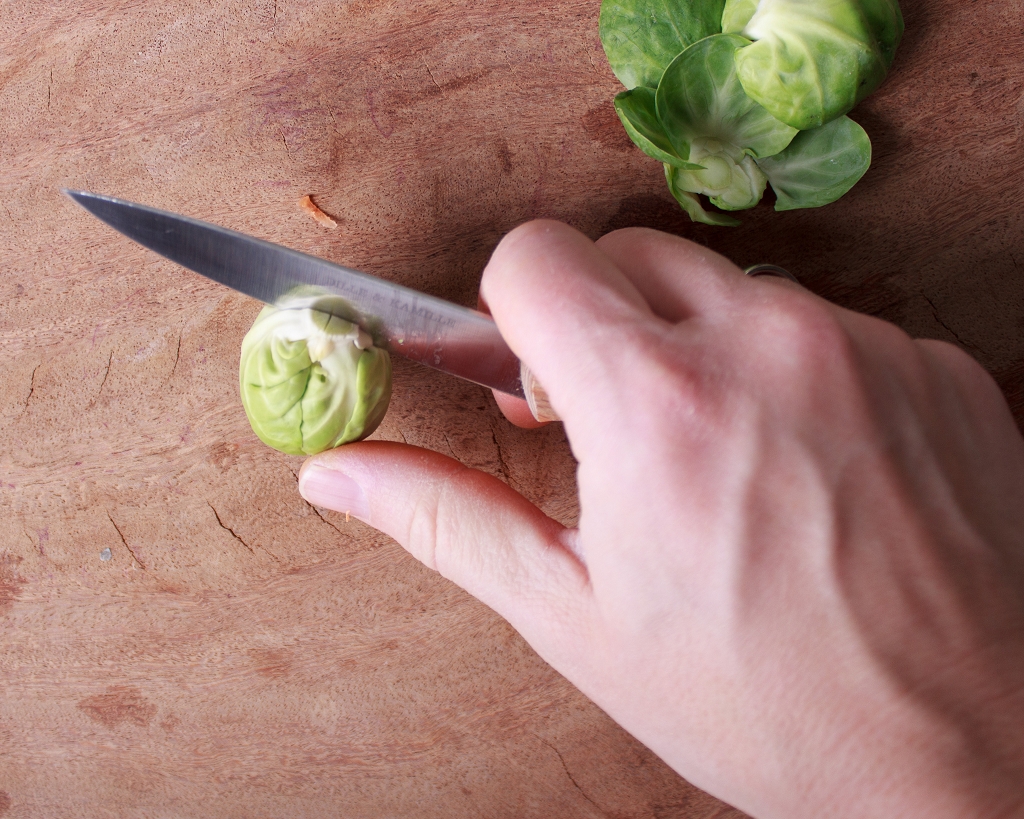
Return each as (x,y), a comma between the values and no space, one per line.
(306,203)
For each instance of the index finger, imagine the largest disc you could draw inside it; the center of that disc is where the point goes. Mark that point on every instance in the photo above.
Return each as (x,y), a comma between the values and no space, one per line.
(566,310)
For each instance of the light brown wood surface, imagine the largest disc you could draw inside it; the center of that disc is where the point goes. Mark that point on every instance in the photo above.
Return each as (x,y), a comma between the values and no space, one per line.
(243,654)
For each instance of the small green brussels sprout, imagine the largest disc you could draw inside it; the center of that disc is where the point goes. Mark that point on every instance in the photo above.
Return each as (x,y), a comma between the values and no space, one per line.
(690,202)
(311,381)
(811,61)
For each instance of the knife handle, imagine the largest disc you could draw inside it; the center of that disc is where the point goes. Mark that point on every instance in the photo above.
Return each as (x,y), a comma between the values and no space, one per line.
(536,396)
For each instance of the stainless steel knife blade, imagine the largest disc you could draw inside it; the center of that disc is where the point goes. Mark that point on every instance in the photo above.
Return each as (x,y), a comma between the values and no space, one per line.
(423,328)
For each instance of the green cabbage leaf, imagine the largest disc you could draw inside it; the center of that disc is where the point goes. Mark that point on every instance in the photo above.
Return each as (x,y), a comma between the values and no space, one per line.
(641,37)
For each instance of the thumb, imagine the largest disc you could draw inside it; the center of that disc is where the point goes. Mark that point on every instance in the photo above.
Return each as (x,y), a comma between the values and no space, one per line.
(469,526)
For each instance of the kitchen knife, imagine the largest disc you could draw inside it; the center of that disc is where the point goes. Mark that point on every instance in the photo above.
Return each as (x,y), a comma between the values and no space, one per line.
(423,328)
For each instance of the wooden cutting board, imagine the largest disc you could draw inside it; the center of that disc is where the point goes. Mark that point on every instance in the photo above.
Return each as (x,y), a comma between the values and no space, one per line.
(241,653)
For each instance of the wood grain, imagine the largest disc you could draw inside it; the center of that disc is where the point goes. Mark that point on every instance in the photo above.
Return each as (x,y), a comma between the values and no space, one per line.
(245,654)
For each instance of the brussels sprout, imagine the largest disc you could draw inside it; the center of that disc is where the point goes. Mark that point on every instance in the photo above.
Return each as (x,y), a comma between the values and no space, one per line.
(756,95)
(708,119)
(311,381)
(737,14)
(813,60)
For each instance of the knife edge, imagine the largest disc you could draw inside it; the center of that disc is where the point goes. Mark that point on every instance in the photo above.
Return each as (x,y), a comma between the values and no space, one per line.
(426,329)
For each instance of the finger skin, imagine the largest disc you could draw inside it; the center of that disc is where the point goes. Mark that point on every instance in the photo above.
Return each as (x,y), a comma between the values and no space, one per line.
(676,277)
(673,277)
(550,288)
(514,409)
(517,411)
(799,570)
(582,314)
(467,525)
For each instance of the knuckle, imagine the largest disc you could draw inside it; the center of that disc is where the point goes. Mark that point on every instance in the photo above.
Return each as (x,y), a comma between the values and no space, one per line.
(422,538)
(441,521)
(965,370)
(662,382)
(802,335)
(952,356)
(630,237)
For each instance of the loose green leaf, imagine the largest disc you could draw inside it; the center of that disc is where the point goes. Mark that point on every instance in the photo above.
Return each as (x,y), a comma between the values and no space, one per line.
(691,203)
(636,109)
(811,62)
(819,165)
(641,37)
(700,97)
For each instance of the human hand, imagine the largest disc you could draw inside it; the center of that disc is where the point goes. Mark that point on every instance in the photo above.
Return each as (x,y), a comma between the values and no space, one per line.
(799,570)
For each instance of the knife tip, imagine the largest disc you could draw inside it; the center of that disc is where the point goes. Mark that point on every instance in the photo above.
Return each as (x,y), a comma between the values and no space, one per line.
(89,201)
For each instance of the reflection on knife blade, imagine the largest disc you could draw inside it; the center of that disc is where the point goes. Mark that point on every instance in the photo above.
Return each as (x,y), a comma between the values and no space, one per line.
(423,328)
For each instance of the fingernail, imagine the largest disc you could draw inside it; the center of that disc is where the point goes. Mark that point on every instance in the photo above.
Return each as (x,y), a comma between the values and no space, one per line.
(333,490)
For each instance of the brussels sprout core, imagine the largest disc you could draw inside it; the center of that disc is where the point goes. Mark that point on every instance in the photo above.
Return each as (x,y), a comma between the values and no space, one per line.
(730,176)
(311,381)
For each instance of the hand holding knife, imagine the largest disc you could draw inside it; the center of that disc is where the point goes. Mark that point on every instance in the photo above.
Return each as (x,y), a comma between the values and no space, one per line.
(423,328)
